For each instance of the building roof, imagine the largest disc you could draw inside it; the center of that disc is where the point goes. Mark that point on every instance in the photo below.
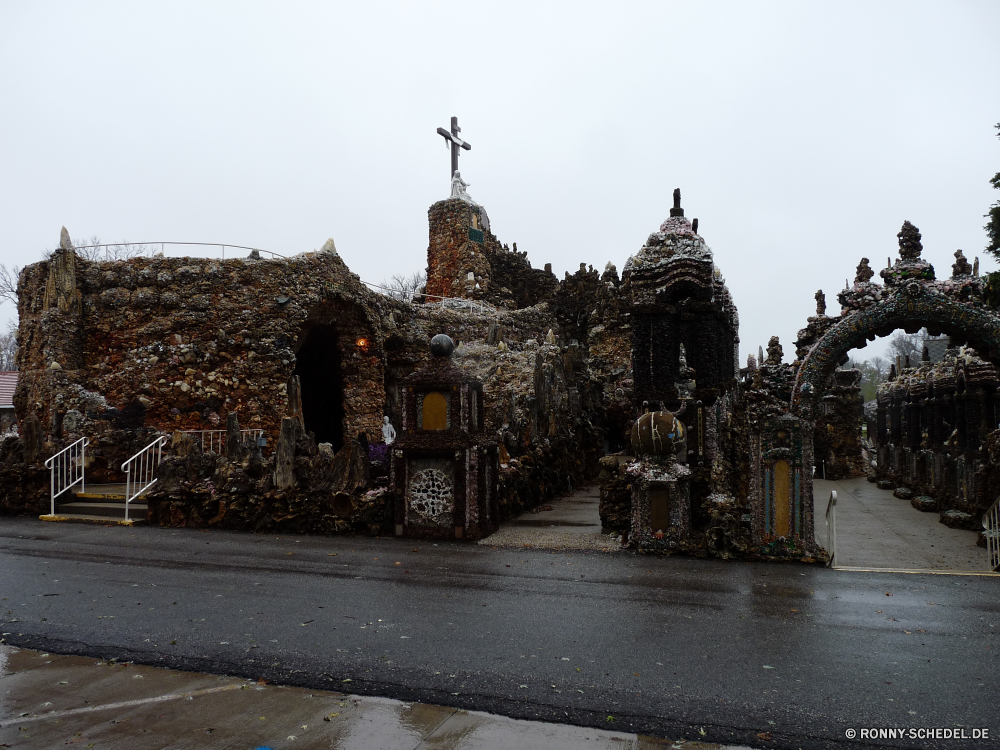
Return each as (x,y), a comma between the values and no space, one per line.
(8,382)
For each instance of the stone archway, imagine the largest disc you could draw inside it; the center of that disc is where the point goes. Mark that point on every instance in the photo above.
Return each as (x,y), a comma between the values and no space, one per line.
(911,298)
(915,305)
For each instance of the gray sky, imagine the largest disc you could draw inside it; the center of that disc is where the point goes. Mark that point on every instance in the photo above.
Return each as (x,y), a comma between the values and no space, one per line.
(801,134)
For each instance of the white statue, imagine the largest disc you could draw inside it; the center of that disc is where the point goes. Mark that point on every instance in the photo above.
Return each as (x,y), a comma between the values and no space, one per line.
(458,186)
(388,431)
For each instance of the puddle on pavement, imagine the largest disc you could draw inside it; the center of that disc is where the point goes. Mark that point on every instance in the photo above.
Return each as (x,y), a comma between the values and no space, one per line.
(48,700)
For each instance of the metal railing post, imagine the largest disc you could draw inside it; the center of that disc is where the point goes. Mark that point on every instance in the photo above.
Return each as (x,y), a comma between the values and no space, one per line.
(831,526)
(991,530)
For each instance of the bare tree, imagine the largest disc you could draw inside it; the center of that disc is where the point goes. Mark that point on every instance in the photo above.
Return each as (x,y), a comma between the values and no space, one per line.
(8,283)
(904,344)
(403,287)
(8,348)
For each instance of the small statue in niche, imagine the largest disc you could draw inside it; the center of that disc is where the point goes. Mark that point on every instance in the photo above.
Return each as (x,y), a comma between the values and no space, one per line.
(864,273)
(820,303)
(388,431)
(686,382)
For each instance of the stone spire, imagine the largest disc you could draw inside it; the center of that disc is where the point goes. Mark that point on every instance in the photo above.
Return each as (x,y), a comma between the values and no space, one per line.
(961,267)
(677,210)
(909,242)
(864,273)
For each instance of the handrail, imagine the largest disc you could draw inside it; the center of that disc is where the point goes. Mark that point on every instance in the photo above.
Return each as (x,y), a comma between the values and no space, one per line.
(139,470)
(66,469)
(218,437)
(831,525)
(991,527)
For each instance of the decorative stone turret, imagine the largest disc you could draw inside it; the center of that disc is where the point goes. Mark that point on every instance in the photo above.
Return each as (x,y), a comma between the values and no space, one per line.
(677,297)
(910,265)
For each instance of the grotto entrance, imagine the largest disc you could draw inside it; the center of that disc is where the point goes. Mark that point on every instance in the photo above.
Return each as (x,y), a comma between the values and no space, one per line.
(318,366)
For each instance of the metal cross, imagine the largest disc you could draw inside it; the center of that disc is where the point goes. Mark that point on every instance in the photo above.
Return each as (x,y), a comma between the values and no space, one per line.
(451,139)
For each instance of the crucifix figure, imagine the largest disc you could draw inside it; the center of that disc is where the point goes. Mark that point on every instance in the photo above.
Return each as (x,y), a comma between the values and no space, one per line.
(452,139)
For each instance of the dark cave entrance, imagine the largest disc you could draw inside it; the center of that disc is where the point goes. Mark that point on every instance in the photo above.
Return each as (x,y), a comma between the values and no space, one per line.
(318,366)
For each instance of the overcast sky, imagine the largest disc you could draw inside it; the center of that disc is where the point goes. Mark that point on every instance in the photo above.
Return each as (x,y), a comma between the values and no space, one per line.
(801,134)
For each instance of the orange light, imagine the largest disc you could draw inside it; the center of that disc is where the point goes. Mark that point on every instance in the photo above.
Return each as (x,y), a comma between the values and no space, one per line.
(362,343)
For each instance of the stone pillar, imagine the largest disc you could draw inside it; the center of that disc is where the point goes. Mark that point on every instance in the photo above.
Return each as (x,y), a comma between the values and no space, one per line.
(284,471)
(913,433)
(895,419)
(881,421)
(960,421)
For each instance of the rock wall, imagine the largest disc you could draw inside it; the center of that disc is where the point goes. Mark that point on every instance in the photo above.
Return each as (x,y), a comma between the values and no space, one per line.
(178,343)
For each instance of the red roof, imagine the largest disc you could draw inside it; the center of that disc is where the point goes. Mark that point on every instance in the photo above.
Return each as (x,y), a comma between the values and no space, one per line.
(8,382)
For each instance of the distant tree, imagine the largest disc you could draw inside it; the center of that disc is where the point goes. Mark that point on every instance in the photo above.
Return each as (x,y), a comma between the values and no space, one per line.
(993,225)
(8,348)
(404,287)
(8,283)
(874,371)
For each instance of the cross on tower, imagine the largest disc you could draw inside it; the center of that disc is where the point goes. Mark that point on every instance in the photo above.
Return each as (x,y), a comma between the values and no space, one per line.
(452,139)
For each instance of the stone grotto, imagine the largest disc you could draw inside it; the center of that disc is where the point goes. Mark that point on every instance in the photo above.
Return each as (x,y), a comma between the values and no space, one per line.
(291,397)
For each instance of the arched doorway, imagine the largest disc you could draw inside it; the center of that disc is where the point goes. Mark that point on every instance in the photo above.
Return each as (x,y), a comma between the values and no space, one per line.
(318,367)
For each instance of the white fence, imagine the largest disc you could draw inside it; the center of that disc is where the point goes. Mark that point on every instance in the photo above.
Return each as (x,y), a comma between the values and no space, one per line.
(215,440)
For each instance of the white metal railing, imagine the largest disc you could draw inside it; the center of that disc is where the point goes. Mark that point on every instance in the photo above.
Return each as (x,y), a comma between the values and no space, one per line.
(215,440)
(126,250)
(831,527)
(66,469)
(139,470)
(991,526)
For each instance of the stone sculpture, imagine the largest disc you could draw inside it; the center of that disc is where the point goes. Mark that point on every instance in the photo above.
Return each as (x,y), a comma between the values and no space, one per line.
(458,186)
(864,273)
(388,431)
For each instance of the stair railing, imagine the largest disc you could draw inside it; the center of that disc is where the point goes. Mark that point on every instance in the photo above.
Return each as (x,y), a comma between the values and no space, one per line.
(66,469)
(831,527)
(139,470)
(991,526)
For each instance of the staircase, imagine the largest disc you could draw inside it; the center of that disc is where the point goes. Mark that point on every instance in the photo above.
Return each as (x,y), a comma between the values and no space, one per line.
(101,503)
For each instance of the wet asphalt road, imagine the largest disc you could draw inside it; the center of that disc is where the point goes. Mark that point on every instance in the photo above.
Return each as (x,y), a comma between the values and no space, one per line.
(769,655)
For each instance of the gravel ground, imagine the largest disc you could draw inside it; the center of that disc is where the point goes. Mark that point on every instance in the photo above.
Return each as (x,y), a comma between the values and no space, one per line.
(513,536)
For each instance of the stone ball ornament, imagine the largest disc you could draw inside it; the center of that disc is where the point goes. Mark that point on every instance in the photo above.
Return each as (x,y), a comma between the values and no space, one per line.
(442,345)
(659,433)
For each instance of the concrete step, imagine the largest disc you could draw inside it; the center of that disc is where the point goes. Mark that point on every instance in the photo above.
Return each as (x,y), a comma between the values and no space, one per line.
(101,503)
(87,518)
(102,508)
